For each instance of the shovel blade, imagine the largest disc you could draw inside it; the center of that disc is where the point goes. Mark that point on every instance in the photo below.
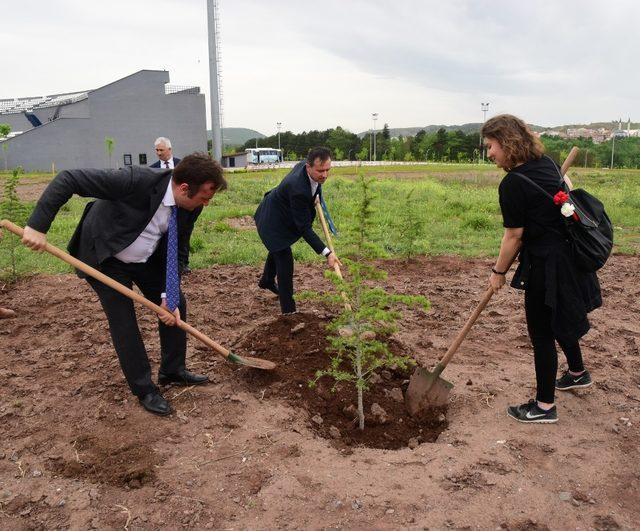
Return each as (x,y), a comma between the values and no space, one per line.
(426,390)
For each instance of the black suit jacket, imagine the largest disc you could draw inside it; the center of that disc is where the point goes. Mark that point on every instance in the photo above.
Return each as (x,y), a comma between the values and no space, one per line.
(127,199)
(156,164)
(286,213)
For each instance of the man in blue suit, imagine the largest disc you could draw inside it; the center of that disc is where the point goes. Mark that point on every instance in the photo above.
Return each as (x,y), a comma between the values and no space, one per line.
(167,161)
(123,234)
(285,215)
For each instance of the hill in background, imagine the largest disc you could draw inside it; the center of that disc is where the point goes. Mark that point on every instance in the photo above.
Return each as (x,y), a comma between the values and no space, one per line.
(237,136)
(475,127)
(465,128)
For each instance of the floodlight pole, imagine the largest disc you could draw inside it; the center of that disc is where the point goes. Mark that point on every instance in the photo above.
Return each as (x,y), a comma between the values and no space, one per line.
(214,103)
(485,108)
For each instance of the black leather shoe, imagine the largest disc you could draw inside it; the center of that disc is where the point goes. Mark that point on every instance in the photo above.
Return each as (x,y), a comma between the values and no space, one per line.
(271,286)
(155,403)
(182,378)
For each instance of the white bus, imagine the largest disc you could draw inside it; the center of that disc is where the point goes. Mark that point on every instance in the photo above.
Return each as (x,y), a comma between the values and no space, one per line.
(263,155)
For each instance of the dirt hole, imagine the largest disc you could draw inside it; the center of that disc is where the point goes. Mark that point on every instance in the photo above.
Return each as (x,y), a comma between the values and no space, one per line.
(298,344)
(130,465)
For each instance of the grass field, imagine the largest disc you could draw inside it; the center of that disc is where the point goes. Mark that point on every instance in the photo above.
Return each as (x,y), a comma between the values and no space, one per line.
(456,205)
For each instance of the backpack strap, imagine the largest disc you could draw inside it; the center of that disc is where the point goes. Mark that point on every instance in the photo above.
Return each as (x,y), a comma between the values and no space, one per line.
(533,183)
(563,183)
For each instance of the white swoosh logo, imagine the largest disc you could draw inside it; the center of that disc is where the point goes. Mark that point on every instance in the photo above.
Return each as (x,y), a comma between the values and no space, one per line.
(530,416)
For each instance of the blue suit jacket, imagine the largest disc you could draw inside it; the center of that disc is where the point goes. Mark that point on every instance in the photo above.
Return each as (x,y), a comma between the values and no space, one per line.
(286,213)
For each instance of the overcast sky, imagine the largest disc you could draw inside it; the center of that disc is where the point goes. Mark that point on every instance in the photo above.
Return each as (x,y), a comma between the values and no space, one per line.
(318,64)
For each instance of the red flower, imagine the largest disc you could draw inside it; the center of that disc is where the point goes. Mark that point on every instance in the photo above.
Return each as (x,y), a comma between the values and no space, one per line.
(560,198)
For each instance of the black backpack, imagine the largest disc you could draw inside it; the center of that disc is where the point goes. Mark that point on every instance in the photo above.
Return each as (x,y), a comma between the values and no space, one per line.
(591,236)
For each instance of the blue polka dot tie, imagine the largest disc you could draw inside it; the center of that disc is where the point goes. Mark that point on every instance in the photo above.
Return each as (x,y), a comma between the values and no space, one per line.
(173,280)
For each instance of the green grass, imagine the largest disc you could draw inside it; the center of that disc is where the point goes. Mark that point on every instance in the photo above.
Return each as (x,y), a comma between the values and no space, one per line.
(458,204)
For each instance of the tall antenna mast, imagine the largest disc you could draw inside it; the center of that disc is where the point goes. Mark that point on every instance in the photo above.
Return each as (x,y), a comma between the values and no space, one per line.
(214,79)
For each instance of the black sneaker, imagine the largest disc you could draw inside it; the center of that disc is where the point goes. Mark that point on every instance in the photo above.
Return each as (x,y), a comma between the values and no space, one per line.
(569,381)
(530,412)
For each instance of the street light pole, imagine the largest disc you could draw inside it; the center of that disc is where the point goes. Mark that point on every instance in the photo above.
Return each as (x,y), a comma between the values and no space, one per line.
(374,115)
(613,147)
(484,107)
(279,125)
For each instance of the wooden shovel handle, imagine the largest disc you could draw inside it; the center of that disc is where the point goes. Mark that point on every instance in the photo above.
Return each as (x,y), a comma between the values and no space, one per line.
(327,235)
(489,293)
(567,164)
(92,272)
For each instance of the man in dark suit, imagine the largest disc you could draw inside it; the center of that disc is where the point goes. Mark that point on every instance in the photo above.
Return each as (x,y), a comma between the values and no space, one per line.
(166,160)
(285,215)
(124,235)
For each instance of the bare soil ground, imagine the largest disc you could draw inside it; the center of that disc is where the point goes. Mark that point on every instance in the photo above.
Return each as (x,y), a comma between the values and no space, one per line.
(263,451)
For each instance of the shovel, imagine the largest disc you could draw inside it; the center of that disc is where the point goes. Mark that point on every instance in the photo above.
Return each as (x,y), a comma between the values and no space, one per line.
(257,363)
(327,235)
(426,388)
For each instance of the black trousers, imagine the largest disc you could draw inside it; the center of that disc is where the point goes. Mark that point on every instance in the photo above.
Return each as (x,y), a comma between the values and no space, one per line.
(125,334)
(280,264)
(543,339)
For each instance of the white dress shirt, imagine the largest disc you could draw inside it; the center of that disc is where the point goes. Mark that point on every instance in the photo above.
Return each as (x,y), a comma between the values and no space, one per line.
(164,166)
(145,244)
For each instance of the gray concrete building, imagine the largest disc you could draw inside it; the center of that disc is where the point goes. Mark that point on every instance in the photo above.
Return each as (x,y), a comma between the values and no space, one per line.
(66,131)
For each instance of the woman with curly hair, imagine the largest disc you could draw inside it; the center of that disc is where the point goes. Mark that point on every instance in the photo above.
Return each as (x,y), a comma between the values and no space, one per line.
(558,296)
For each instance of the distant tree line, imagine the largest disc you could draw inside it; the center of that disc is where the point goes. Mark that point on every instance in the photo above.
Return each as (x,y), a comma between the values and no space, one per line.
(440,146)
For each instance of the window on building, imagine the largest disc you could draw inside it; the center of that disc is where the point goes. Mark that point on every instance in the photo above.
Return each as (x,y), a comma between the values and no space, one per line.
(127,159)
(142,159)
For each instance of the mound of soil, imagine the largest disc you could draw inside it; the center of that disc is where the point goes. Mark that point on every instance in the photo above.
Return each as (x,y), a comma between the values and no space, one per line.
(298,344)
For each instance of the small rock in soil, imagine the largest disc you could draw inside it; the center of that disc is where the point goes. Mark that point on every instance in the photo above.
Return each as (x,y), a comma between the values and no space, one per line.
(386,375)
(345,331)
(565,496)
(356,505)
(375,378)
(368,335)
(334,432)
(396,394)
(317,419)
(297,328)
(379,414)
(413,443)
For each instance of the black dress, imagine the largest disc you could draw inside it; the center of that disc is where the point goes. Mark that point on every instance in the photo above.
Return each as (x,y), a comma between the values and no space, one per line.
(545,258)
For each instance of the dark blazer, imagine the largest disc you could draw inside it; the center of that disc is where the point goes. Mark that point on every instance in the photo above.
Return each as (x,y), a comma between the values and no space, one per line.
(127,199)
(156,164)
(286,213)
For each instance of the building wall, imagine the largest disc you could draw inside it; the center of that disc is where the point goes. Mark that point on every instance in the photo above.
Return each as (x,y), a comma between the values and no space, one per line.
(134,111)
(17,121)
